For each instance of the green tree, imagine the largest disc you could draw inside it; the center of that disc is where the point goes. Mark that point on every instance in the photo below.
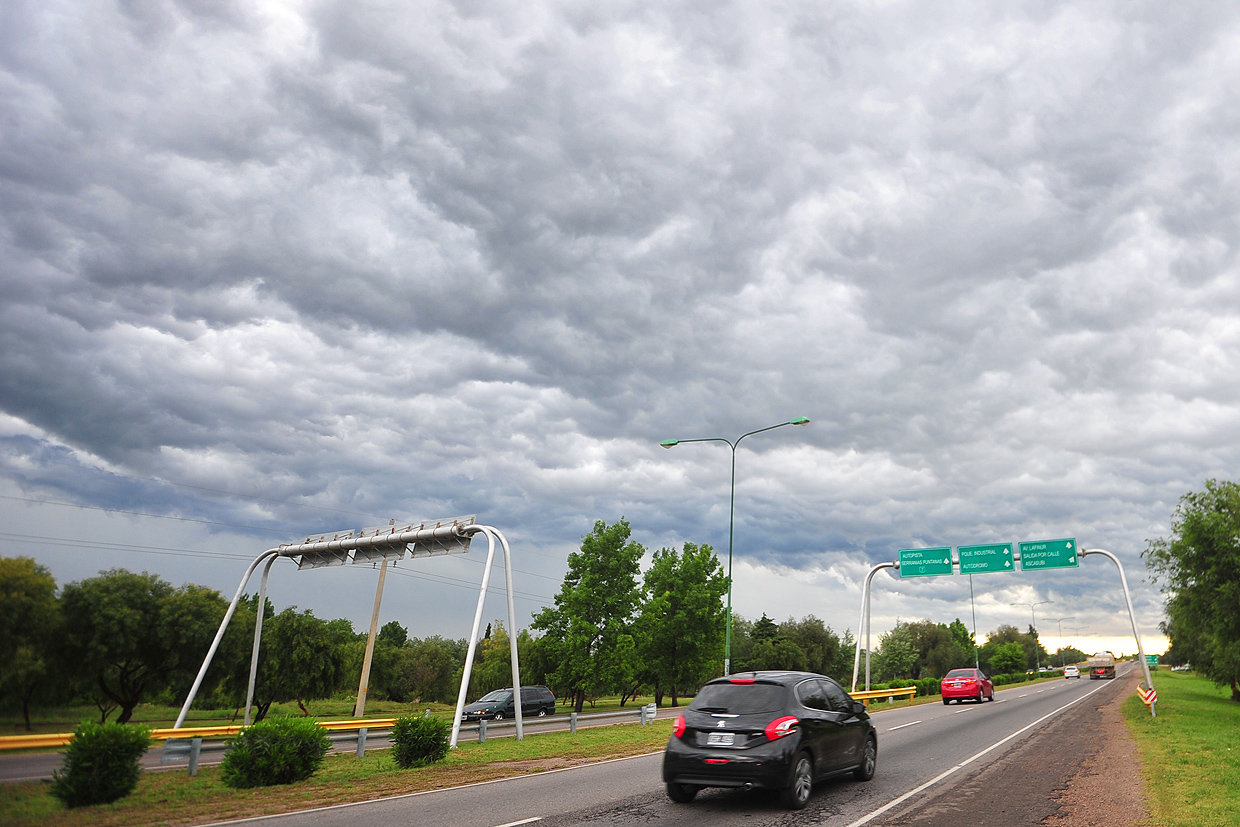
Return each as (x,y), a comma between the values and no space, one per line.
(1006,633)
(1199,565)
(1008,658)
(683,618)
(129,635)
(822,647)
(434,665)
(29,621)
(897,653)
(393,633)
(301,659)
(594,613)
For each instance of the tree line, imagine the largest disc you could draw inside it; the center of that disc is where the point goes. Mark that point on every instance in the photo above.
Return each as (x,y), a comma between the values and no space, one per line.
(124,638)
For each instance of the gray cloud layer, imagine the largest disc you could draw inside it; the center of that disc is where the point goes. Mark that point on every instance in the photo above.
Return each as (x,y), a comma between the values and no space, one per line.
(434,258)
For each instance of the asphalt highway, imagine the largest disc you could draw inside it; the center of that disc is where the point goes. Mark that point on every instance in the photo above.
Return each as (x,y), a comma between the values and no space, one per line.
(923,752)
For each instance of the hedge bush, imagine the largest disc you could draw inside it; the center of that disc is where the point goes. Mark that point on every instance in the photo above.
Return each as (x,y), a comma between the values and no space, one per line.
(276,751)
(418,741)
(101,764)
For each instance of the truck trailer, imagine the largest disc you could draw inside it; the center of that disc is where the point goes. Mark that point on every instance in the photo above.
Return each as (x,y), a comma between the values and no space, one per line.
(1101,666)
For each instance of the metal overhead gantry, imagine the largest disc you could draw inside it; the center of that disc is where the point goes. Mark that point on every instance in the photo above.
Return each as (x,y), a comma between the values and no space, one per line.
(428,538)
(995,557)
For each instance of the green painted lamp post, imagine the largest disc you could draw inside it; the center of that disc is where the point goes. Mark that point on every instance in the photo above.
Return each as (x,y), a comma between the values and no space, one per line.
(672,443)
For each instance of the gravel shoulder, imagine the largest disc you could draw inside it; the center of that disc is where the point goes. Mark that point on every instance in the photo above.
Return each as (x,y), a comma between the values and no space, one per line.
(1079,770)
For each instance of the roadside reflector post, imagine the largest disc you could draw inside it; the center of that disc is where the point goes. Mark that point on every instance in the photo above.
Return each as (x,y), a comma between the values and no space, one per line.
(361,742)
(572,722)
(482,730)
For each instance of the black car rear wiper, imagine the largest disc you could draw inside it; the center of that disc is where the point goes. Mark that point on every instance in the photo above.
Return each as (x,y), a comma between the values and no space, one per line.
(712,709)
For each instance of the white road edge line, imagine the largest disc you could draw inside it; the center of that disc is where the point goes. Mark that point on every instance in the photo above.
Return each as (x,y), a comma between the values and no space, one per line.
(431,792)
(902,726)
(896,802)
(522,821)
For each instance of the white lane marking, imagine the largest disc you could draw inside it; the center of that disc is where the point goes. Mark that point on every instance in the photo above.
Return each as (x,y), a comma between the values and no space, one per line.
(1001,700)
(865,819)
(1023,696)
(893,729)
(522,821)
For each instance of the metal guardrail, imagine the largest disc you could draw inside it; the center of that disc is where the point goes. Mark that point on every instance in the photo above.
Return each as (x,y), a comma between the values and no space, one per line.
(866,695)
(373,725)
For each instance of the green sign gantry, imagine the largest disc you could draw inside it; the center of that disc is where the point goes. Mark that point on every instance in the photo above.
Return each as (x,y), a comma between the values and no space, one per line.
(925,562)
(1049,554)
(986,558)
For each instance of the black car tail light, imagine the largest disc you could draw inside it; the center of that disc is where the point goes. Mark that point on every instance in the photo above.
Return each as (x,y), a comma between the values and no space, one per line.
(780,727)
(678,728)
(716,760)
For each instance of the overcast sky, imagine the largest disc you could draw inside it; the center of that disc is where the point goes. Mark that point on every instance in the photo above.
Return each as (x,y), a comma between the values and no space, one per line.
(268,268)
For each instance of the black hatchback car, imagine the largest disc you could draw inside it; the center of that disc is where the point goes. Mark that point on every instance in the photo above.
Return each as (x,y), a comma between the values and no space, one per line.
(773,730)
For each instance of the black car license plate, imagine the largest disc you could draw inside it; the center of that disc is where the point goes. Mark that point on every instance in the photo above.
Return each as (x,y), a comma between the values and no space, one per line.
(720,739)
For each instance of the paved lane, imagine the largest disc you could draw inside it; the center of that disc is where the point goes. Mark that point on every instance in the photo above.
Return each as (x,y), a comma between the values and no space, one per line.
(916,746)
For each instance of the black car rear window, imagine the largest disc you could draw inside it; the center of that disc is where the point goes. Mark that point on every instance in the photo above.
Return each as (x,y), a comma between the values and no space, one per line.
(960,673)
(740,698)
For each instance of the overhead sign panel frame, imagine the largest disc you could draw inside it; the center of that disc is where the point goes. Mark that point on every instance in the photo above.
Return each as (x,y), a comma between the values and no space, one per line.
(985,558)
(1038,555)
(925,562)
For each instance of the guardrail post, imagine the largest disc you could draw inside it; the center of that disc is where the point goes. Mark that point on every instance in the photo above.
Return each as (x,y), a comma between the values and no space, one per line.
(482,730)
(641,711)
(195,749)
(361,742)
(572,722)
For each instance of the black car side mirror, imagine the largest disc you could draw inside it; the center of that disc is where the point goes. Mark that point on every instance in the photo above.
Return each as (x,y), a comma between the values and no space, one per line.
(858,708)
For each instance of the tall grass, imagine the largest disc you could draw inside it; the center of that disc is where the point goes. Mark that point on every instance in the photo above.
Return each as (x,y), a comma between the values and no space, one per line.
(1190,753)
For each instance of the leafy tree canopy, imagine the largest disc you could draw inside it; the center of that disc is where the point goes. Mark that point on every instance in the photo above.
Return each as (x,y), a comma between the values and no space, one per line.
(1199,565)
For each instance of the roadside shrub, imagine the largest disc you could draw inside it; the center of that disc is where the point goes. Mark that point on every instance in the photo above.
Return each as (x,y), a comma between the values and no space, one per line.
(418,741)
(927,686)
(101,764)
(276,751)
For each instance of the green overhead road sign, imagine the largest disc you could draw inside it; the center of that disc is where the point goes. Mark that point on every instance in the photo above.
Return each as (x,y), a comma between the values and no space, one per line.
(986,558)
(1152,660)
(925,562)
(1048,554)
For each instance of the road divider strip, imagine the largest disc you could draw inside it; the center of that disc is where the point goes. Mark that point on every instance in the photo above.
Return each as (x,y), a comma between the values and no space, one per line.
(898,801)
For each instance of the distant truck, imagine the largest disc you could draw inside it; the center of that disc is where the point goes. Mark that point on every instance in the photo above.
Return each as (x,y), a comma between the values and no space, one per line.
(1101,665)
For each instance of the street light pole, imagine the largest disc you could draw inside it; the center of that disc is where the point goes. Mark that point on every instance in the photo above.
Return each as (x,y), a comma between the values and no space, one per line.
(672,443)
(1060,621)
(1033,625)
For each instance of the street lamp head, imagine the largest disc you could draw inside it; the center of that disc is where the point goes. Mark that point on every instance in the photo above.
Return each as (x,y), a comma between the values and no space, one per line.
(800,420)
(670,443)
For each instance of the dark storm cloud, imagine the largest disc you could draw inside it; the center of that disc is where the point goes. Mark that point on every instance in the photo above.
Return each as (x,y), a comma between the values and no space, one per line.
(434,257)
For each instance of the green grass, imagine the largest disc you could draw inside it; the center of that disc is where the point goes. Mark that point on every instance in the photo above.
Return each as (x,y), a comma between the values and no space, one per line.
(173,797)
(1190,753)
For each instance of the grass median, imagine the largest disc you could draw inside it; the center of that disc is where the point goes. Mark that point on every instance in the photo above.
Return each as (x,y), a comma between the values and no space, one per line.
(1190,753)
(173,798)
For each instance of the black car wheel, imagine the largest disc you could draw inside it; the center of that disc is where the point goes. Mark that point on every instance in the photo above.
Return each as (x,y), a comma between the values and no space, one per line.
(542,713)
(946,701)
(868,761)
(499,716)
(681,793)
(796,795)
(981,696)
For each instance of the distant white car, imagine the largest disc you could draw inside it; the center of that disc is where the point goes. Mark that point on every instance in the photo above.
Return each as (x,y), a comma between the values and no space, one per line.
(1071,672)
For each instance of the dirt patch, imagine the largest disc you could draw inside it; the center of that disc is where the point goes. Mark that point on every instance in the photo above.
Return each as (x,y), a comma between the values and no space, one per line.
(1107,791)
(1078,770)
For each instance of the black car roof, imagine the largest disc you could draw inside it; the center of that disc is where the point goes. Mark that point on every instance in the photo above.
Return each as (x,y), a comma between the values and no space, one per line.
(781,676)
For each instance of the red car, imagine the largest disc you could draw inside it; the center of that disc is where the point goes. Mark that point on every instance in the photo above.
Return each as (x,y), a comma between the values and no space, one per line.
(971,684)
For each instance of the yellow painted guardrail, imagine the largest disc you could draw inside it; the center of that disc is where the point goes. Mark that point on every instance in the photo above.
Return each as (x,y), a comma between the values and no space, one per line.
(60,739)
(866,695)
